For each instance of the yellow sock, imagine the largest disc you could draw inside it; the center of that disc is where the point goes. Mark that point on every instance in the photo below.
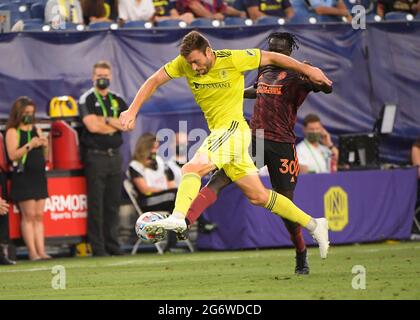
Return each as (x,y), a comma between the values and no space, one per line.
(285,208)
(187,191)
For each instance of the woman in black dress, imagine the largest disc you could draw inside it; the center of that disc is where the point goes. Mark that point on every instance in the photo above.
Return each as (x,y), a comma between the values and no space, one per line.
(25,145)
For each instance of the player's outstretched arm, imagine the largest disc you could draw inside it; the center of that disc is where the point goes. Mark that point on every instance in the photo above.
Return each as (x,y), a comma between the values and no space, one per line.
(128,117)
(317,88)
(314,74)
(250,93)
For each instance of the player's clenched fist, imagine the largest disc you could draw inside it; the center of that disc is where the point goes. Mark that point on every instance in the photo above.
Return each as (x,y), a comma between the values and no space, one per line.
(128,120)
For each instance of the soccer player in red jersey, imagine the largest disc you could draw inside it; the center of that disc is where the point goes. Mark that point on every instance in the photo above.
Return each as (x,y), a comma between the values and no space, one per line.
(279,93)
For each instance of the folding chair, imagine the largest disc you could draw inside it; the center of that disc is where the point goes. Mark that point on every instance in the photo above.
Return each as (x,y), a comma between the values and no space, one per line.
(415,219)
(133,194)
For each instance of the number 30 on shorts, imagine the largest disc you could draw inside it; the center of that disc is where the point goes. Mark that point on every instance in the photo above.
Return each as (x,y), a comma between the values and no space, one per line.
(289,166)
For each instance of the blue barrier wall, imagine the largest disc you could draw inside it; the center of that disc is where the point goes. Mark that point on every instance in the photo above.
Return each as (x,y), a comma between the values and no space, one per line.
(368,67)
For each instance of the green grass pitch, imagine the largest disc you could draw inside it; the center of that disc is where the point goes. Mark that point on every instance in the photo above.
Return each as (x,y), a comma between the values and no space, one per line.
(392,272)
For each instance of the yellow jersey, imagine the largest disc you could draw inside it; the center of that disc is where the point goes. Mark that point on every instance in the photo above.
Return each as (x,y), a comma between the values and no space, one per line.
(220,92)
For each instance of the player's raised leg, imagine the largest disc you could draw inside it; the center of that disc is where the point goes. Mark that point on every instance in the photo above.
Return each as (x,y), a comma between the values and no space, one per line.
(207,196)
(258,195)
(188,189)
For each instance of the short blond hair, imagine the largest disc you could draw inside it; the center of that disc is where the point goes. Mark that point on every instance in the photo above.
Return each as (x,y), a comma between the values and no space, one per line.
(103,64)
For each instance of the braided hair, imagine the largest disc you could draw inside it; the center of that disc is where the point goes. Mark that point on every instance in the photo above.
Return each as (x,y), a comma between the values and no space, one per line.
(282,42)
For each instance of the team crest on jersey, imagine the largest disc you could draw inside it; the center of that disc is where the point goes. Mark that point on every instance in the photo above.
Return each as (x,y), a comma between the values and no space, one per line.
(223,74)
(250,52)
(282,75)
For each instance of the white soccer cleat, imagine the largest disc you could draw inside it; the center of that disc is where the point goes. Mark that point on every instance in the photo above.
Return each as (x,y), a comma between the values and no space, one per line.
(320,235)
(170,223)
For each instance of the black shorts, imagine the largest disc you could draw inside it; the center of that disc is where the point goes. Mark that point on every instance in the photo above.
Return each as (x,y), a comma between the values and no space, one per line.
(281,161)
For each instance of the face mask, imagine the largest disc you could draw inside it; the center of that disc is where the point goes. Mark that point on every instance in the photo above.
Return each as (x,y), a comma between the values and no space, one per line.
(28,119)
(102,83)
(313,137)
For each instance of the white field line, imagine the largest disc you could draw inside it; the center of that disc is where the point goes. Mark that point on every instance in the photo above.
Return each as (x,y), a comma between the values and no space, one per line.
(192,258)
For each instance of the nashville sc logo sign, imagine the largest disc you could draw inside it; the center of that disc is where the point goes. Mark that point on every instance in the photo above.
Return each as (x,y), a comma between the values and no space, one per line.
(336,208)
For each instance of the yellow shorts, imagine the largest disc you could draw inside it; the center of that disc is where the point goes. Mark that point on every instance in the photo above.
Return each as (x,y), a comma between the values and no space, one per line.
(227,148)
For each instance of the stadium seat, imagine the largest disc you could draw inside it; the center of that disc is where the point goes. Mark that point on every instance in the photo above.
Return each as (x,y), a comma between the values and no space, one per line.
(18,11)
(33,26)
(171,23)
(373,17)
(32,21)
(137,25)
(38,11)
(27,2)
(267,20)
(325,18)
(396,16)
(299,19)
(236,21)
(104,25)
(73,26)
(203,22)
(133,195)
(4,164)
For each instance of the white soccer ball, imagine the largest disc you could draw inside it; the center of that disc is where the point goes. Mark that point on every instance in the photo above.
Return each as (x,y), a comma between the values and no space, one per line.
(141,224)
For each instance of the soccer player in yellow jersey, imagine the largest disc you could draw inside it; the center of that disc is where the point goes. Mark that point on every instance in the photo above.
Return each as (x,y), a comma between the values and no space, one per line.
(217,82)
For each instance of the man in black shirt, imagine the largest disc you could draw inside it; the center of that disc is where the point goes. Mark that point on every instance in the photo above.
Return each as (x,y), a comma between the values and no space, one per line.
(101,139)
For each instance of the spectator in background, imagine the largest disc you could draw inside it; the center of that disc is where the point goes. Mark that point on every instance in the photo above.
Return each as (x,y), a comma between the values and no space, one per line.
(111,9)
(316,153)
(25,145)
(260,8)
(166,9)
(4,231)
(330,8)
(136,10)
(57,12)
(175,164)
(211,9)
(408,6)
(101,139)
(153,180)
(94,11)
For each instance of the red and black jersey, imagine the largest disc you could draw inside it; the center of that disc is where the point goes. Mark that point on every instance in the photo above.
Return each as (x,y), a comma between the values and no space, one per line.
(280,93)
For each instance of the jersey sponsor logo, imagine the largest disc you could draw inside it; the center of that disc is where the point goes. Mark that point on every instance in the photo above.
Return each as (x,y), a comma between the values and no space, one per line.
(270,7)
(336,208)
(217,85)
(223,74)
(265,88)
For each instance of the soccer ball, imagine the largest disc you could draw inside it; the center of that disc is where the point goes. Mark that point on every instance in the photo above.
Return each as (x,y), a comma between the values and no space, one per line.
(141,224)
